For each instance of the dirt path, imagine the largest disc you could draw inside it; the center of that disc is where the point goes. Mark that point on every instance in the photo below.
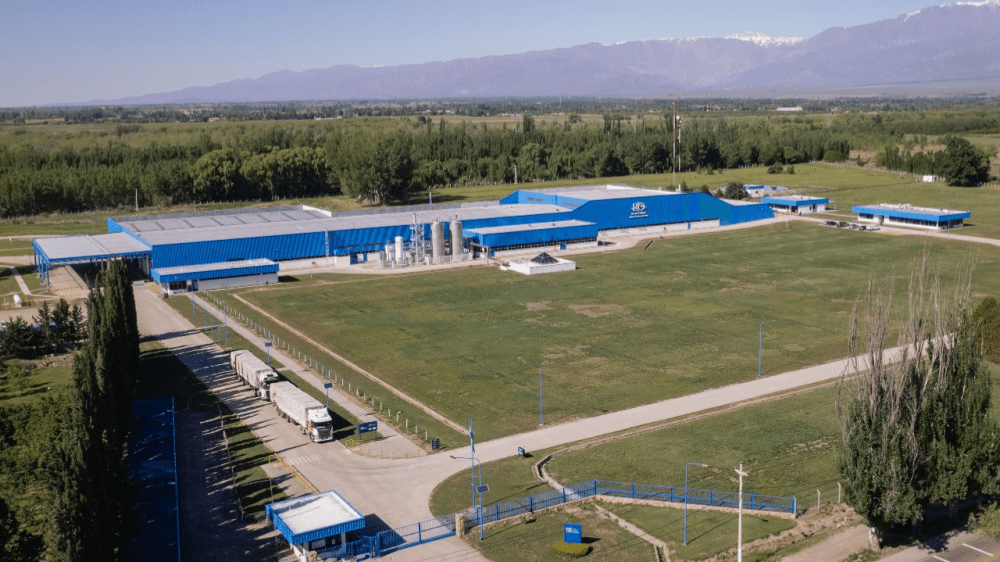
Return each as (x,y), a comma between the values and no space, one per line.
(211,529)
(345,361)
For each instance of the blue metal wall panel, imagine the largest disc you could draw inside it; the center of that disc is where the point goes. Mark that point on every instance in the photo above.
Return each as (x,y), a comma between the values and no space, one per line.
(912,215)
(746,213)
(215,273)
(286,247)
(343,242)
(550,235)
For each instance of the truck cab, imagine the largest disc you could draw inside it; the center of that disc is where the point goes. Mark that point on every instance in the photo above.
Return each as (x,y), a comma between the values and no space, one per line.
(265,378)
(320,425)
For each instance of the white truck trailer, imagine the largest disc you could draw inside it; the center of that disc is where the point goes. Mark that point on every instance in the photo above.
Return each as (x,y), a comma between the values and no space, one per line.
(254,372)
(303,410)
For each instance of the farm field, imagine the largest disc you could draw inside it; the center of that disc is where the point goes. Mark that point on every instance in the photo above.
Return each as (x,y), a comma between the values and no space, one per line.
(627,328)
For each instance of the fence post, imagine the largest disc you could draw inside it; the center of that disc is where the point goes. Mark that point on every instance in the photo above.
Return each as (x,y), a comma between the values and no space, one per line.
(633,490)
(531,503)
(497,518)
(420,534)
(595,487)
(711,497)
(564,495)
(794,502)
(671,494)
(751,502)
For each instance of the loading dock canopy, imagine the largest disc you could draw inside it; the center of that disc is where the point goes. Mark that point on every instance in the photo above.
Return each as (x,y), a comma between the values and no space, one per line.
(89,248)
(314,517)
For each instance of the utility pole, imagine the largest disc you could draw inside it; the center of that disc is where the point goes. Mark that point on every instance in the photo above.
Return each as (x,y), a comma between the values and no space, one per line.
(673,128)
(739,533)
(137,200)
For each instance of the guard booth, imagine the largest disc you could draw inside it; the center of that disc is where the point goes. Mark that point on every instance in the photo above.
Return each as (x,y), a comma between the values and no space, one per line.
(316,523)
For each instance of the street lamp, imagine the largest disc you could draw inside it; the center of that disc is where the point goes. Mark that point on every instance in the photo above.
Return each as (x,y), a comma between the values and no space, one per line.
(739,534)
(686,496)
(760,348)
(541,407)
(479,510)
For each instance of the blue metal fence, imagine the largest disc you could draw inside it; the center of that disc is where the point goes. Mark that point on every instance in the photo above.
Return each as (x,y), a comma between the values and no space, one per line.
(386,542)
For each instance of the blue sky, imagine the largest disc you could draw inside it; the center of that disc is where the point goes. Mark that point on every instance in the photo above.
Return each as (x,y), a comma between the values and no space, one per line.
(58,51)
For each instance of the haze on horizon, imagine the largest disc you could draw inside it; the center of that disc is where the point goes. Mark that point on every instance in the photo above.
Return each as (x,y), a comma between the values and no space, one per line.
(68,52)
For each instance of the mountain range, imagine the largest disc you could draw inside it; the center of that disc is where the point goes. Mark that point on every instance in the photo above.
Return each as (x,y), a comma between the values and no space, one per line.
(941,44)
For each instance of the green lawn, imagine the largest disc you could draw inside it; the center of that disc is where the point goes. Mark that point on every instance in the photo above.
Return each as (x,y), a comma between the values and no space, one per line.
(532,542)
(625,329)
(41,381)
(709,532)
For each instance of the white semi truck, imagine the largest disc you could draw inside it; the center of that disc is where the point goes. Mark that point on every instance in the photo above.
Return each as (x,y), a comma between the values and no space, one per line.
(303,410)
(254,372)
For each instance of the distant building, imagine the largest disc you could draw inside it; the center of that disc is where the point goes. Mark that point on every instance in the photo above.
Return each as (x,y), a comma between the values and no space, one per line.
(908,215)
(796,108)
(756,191)
(795,204)
(929,179)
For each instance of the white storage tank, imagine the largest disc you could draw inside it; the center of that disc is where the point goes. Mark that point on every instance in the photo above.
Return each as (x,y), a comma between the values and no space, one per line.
(390,251)
(437,241)
(456,240)
(399,250)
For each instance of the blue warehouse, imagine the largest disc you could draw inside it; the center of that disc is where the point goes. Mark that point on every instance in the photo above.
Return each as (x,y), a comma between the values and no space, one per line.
(911,216)
(188,250)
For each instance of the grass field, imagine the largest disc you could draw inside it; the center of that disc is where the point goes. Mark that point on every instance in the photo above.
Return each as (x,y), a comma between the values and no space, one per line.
(625,329)
(532,542)
(40,381)
(709,532)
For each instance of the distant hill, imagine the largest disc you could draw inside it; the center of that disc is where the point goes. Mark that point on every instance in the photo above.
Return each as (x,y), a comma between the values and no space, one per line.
(955,42)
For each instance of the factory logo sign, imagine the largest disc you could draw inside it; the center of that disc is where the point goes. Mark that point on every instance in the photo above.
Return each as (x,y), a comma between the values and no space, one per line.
(638,210)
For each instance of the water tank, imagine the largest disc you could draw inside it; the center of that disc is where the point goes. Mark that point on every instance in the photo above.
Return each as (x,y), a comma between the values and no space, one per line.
(399,250)
(456,240)
(437,241)
(390,251)
(18,301)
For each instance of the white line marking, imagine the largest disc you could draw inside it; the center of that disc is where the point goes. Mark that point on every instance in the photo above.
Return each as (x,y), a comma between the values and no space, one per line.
(939,558)
(977,549)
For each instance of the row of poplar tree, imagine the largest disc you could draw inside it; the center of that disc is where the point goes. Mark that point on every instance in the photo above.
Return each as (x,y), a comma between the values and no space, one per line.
(918,431)
(64,458)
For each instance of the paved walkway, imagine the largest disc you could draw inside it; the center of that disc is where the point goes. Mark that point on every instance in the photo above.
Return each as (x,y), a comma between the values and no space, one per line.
(837,547)
(959,546)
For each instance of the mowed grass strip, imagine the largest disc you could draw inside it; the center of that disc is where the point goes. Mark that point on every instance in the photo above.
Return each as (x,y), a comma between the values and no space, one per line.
(532,542)
(709,532)
(627,328)
(344,423)
(162,374)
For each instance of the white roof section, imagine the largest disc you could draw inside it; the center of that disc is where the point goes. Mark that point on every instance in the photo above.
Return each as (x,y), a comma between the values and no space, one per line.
(256,224)
(524,227)
(911,208)
(84,247)
(604,192)
(315,512)
(795,198)
(223,266)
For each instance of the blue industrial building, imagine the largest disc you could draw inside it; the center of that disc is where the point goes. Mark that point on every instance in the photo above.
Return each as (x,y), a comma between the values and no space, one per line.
(192,247)
(908,215)
(798,204)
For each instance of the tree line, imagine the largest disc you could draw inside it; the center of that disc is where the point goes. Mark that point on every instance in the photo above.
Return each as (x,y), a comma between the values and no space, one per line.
(960,163)
(64,491)
(389,159)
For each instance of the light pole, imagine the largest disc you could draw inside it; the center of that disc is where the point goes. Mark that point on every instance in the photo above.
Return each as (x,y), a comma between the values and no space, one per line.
(739,534)
(686,496)
(760,348)
(541,406)
(479,510)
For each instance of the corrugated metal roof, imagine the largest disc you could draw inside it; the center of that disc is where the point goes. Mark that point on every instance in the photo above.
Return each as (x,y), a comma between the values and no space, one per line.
(181,270)
(904,209)
(526,227)
(89,247)
(180,231)
(794,200)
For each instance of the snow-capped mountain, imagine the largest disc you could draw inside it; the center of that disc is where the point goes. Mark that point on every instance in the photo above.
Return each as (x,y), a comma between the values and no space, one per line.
(940,44)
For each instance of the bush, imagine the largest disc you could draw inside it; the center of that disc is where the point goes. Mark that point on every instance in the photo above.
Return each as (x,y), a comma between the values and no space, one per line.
(987,521)
(776,168)
(572,549)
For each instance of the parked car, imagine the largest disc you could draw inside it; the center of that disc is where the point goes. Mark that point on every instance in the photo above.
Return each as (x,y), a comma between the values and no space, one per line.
(830,223)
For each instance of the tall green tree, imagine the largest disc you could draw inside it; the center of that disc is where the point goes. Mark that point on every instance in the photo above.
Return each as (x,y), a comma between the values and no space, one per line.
(964,165)
(917,431)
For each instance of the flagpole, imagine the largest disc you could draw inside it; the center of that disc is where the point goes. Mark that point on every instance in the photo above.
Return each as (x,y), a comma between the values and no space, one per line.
(472,467)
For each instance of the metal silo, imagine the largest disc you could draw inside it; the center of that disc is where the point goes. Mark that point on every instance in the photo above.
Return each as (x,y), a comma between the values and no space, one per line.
(399,251)
(456,240)
(437,241)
